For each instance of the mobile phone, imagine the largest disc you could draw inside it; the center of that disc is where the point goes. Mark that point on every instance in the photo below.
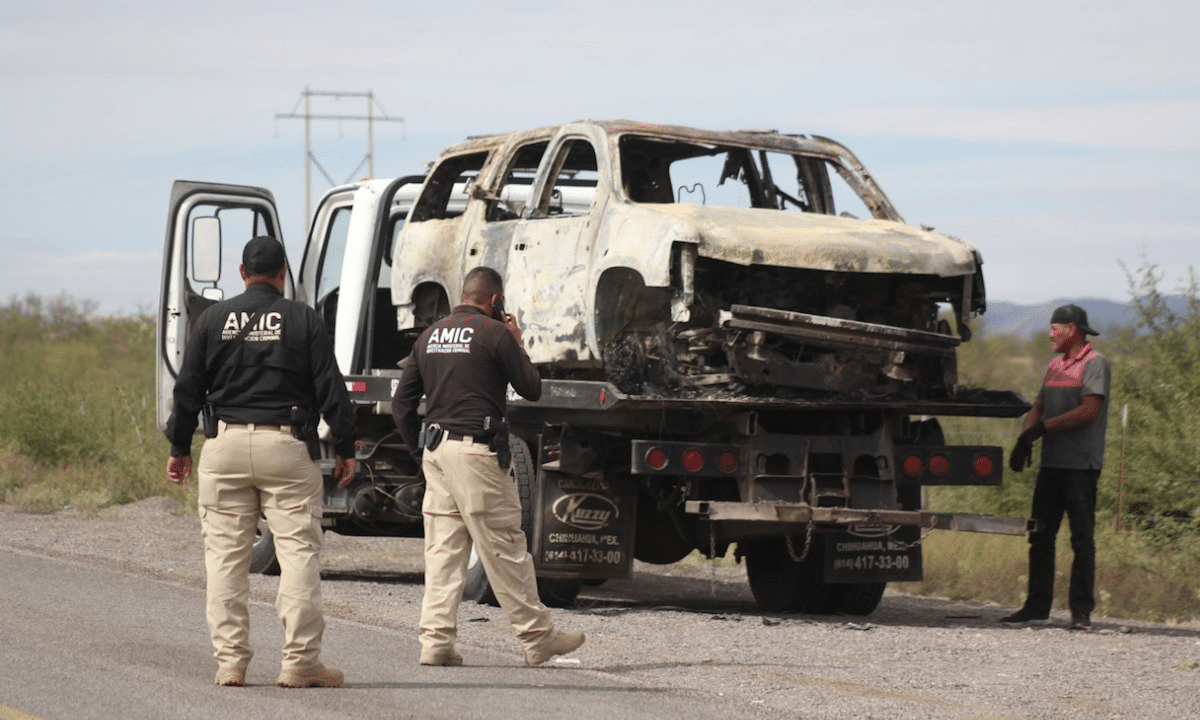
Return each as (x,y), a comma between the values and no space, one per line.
(498,310)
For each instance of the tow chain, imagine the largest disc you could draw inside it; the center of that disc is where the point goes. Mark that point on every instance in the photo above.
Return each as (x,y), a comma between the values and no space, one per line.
(901,545)
(808,533)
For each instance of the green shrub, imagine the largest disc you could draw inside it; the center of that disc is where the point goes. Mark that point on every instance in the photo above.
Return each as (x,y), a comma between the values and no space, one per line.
(77,422)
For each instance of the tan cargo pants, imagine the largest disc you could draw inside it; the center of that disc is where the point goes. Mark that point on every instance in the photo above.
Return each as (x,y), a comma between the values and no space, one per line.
(468,497)
(245,472)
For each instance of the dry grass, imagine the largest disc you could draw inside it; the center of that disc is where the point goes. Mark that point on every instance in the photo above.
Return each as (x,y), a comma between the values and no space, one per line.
(1132,580)
(33,488)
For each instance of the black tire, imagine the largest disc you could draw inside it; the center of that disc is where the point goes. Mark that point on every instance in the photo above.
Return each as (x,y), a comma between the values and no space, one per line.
(262,553)
(856,598)
(658,539)
(554,592)
(559,592)
(779,583)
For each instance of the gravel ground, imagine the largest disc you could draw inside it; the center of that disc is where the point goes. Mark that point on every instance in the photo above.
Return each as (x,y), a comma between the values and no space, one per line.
(696,628)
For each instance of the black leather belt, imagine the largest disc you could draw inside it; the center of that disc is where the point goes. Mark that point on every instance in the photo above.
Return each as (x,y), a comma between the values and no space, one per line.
(276,427)
(455,436)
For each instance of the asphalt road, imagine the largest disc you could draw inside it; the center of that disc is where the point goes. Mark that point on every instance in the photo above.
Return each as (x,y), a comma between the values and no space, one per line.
(81,642)
(101,616)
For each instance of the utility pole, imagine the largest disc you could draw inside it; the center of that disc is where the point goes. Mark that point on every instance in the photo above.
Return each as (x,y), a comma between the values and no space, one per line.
(310,159)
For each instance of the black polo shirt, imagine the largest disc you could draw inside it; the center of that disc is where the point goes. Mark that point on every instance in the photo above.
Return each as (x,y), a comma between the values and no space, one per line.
(463,365)
(286,359)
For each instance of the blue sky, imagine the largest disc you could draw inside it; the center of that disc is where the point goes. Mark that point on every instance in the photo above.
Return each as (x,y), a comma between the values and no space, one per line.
(1060,138)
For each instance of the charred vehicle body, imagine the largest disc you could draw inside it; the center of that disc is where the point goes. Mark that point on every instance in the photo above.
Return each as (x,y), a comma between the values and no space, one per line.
(687,259)
(743,345)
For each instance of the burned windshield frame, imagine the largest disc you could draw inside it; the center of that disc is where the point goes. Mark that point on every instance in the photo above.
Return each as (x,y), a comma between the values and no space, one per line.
(659,170)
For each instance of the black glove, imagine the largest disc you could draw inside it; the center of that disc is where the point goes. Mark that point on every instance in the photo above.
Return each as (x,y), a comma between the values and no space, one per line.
(1021,456)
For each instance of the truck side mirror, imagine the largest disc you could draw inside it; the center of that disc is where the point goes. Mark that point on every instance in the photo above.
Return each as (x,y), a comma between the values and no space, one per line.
(206,249)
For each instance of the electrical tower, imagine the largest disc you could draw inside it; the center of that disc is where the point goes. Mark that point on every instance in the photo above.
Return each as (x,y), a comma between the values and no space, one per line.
(310,160)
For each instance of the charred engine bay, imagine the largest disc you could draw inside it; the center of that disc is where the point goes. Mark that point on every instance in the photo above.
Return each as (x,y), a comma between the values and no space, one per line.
(784,332)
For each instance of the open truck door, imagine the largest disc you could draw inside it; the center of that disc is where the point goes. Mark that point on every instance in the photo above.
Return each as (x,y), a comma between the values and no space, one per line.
(208,224)
(345,271)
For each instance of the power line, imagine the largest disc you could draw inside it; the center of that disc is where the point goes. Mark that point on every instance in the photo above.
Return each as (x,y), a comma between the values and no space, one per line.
(308,116)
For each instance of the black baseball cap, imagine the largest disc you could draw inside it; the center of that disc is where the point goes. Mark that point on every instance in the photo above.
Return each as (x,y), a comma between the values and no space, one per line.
(1072,314)
(263,256)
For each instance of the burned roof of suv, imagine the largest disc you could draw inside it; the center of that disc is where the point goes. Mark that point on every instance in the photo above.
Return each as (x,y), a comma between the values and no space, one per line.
(758,138)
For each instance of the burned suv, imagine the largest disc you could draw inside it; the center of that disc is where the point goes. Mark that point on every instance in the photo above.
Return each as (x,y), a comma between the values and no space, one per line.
(670,260)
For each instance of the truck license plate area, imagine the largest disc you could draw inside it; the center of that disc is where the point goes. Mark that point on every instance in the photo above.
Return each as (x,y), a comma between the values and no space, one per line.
(874,553)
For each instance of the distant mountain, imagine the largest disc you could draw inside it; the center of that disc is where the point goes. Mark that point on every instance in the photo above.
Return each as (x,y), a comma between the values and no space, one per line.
(1007,318)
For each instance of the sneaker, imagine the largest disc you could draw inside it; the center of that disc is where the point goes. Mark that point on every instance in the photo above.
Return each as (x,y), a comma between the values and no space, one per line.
(1081,621)
(230,676)
(1025,616)
(318,676)
(444,658)
(561,642)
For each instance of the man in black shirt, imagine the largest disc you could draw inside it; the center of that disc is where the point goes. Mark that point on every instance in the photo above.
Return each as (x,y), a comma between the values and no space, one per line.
(259,383)
(463,364)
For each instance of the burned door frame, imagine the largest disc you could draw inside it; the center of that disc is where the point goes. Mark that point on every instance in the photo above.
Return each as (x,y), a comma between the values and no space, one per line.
(542,293)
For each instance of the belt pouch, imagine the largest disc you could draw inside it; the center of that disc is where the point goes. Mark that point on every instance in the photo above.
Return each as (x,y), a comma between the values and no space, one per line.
(208,418)
(433,436)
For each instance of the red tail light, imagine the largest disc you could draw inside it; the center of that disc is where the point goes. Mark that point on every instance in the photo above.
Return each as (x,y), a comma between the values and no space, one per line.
(656,458)
(983,466)
(727,462)
(693,460)
(939,465)
(913,467)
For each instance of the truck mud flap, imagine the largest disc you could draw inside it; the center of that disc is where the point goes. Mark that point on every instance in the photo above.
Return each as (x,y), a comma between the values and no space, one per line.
(583,527)
(584,522)
(874,553)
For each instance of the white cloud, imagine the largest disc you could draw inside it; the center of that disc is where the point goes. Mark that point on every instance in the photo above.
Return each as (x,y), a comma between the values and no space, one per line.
(121,283)
(1151,124)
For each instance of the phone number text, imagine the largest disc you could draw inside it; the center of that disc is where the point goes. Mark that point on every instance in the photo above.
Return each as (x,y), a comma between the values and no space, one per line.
(873,562)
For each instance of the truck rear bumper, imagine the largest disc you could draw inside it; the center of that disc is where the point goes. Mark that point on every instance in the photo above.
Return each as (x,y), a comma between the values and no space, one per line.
(802,513)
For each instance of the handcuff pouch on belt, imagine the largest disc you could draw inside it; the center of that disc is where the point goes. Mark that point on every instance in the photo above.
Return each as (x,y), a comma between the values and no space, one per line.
(304,427)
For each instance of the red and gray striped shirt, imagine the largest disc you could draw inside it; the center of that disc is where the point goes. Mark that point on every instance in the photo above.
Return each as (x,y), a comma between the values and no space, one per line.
(1068,380)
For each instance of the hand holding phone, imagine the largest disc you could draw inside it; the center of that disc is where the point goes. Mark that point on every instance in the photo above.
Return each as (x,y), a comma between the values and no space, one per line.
(510,321)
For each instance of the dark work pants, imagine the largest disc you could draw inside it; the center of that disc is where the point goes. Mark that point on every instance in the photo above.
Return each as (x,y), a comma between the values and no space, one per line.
(1059,490)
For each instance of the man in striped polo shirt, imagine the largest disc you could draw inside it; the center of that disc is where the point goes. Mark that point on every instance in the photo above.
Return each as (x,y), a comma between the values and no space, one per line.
(1071,415)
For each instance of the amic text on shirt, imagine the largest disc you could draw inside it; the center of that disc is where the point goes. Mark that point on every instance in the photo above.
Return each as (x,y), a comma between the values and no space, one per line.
(450,340)
(266,329)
